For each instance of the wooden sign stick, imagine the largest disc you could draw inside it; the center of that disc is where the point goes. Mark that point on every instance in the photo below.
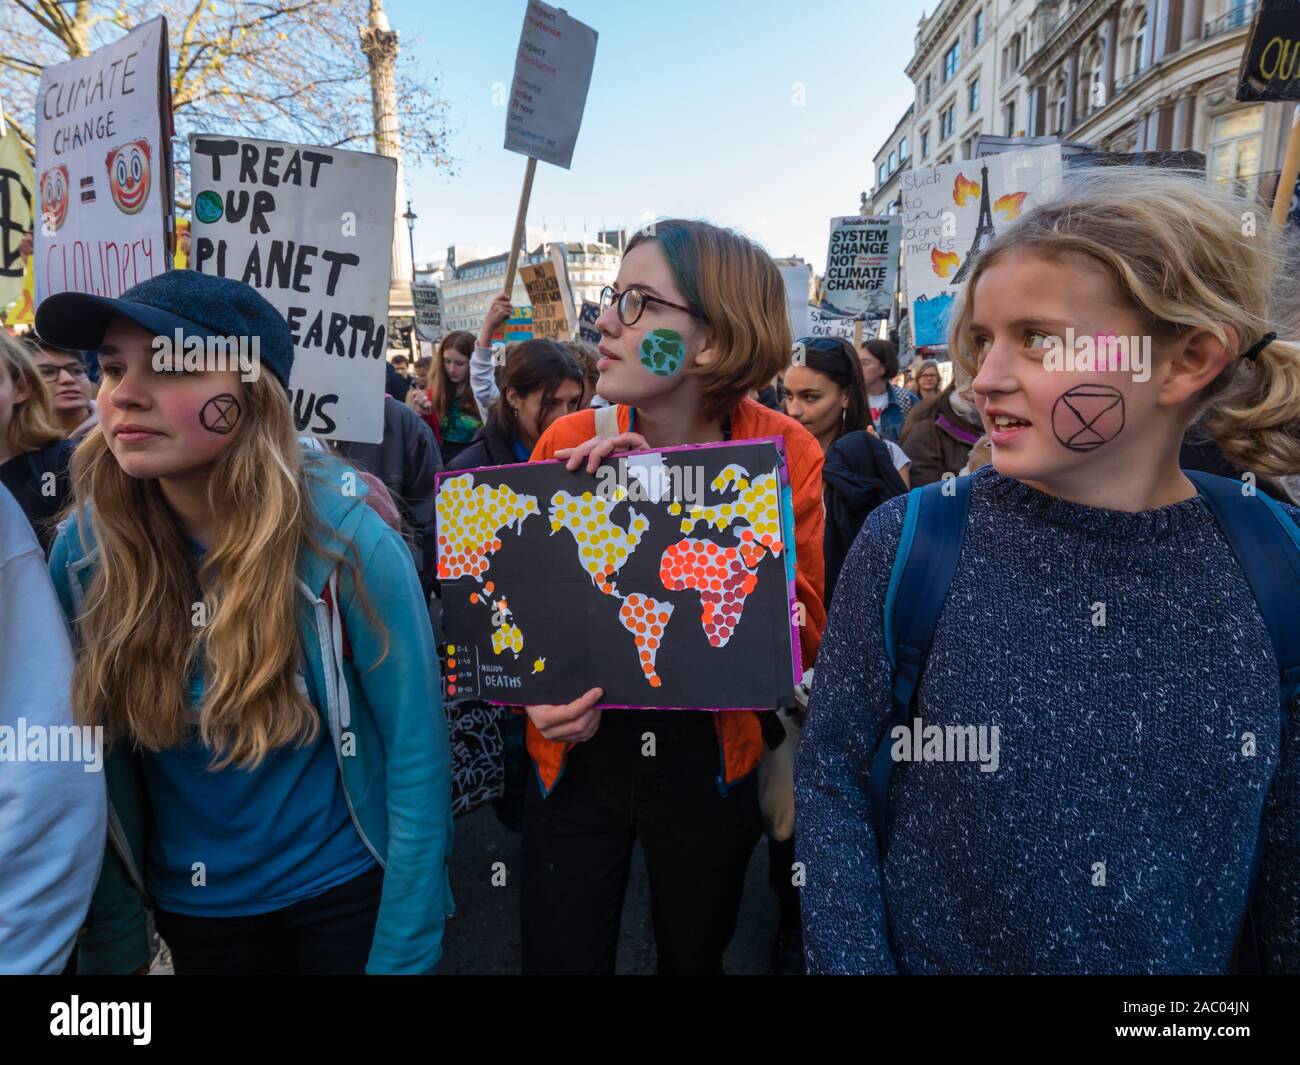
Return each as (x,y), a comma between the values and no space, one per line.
(513,261)
(1290,171)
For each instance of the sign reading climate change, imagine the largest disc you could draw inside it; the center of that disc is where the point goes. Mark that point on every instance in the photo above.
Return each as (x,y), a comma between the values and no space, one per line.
(312,230)
(552,74)
(952,212)
(103,165)
(862,267)
(672,572)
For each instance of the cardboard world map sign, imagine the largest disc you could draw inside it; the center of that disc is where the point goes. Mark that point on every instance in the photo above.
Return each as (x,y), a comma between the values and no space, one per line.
(667,579)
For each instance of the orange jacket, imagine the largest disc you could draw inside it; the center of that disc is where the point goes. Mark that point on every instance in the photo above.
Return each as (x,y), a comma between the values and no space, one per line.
(739,734)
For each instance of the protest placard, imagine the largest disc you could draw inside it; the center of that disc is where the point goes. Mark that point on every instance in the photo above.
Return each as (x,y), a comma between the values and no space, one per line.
(17,211)
(312,229)
(670,571)
(1270,63)
(104,167)
(549,93)
(426,297)
(822,323)
(543,285)
(519,326)
(796,280)
(950,214)
(560,257)
(862,267)
(587,322)
(553,67)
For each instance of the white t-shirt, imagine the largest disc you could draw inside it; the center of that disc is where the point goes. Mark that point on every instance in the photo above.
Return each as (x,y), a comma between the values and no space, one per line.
(897,454)
(878,404)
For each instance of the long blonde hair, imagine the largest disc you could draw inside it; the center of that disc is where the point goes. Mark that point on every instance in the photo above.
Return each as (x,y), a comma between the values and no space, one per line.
(1184,254)
(32,426)
(141,625)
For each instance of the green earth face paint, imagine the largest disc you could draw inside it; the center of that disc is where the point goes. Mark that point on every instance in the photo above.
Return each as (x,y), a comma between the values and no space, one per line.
(662,352)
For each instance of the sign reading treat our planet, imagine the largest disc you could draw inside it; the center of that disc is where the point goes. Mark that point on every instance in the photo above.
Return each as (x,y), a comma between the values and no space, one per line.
(672,574)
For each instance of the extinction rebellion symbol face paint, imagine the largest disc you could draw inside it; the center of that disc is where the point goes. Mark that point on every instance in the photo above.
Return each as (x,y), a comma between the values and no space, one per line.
(662,352)
(220,414)
(1087,416)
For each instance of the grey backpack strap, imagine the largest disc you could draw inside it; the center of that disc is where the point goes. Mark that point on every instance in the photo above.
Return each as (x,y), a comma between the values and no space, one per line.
(607,421)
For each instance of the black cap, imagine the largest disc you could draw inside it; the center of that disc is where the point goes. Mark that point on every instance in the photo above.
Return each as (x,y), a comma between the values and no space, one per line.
(202,305)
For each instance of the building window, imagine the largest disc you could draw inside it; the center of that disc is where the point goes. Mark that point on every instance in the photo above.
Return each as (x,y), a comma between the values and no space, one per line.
(925,88)
(1140,43)
(973,95)
(1235,142)
(946,117)
(1009,112)
(1015,53)
(951,61)
(880,175)
(902,151)
(978,29)
(925,142)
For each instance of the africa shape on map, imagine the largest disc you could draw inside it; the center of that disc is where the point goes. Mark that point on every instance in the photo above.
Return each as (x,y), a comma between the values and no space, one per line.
(606,532)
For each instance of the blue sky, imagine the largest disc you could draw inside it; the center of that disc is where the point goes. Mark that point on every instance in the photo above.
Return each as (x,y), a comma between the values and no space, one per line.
(691,111)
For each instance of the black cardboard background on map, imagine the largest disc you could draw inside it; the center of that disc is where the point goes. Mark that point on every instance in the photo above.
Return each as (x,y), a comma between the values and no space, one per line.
(567,621)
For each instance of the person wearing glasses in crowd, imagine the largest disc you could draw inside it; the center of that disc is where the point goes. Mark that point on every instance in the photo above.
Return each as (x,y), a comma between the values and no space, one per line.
(926,379)
(72,392)
(716,307)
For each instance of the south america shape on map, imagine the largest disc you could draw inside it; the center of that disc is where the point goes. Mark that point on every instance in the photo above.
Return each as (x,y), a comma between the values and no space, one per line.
(667,579)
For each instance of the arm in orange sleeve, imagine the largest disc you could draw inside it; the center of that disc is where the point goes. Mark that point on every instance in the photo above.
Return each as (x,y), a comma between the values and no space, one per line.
(810,565)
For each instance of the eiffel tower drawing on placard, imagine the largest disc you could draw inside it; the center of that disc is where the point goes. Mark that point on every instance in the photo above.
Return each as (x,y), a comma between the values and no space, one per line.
(983,230)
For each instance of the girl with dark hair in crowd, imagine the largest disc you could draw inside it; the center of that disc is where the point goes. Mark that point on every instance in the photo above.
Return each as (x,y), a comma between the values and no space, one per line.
(540,382)
(888,403)
(826,394)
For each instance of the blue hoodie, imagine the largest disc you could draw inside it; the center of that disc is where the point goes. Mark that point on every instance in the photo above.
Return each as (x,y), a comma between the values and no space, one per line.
(386,722)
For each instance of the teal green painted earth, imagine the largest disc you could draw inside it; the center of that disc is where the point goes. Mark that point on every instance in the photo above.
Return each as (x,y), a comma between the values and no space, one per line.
(207,206)
(662,352)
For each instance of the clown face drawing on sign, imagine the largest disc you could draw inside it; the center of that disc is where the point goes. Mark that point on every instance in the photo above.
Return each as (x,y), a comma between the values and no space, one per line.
(128,175)
(54,197)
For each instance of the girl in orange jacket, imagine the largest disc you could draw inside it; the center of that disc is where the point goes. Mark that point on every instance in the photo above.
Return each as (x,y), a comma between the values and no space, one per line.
(695,322)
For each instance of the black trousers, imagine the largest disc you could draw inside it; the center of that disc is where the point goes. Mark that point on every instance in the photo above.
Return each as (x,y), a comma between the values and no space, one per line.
(578,842)
(326,935)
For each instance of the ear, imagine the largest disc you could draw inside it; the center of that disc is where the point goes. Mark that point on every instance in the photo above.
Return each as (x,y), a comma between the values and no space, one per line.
(512,397)
(1193,362)
(708,353)
(21,389)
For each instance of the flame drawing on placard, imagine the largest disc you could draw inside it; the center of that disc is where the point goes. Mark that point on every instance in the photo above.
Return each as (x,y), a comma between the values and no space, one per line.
(943,262)
(964,190)
(1009,206)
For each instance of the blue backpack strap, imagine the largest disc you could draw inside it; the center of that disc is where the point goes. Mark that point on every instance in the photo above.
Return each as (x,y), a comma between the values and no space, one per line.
(933,528)
(1266,544)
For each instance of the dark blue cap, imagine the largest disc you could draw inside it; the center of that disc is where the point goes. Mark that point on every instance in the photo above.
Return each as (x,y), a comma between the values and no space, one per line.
(202,305)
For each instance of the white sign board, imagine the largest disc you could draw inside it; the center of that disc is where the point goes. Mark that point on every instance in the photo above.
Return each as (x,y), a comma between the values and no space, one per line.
(310,228)
(821,323)
(797,279)
(426,297)
(552,74)
(103,167)
(951,213)
(862,266)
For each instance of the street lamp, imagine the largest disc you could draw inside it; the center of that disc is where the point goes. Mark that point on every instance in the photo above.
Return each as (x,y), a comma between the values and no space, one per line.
(410,217)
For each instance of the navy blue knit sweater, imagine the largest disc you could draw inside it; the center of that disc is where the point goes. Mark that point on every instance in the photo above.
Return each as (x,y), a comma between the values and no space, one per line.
(1120,744)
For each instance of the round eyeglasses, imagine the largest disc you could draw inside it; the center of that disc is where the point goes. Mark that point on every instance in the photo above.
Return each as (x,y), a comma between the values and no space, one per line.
(632,303)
